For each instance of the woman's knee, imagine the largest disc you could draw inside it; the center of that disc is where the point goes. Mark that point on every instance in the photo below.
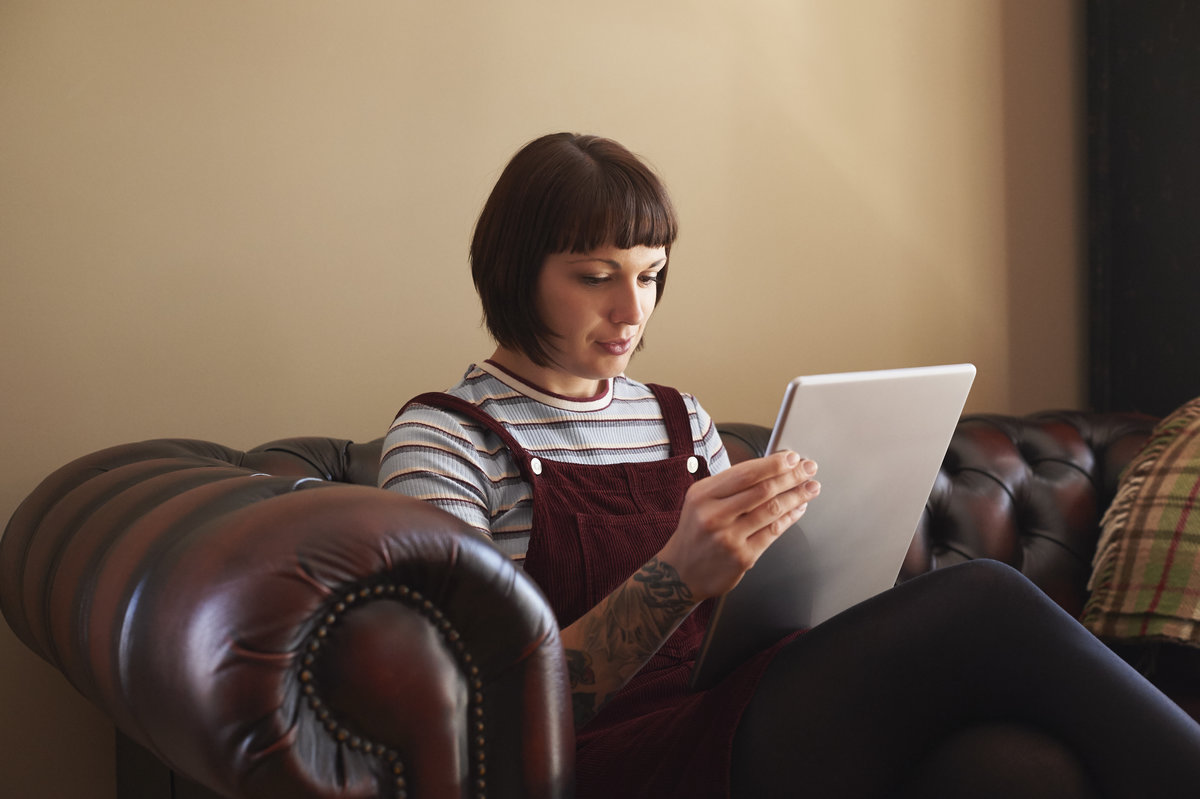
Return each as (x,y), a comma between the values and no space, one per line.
(984,571)
(986,580)
(987,595)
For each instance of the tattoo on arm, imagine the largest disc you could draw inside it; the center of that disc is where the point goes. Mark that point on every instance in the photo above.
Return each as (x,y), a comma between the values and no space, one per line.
(579,668)
(581,677)
(665,589)
(619,635)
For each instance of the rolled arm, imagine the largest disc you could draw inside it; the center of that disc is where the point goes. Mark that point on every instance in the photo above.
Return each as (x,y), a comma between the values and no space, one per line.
(289,636)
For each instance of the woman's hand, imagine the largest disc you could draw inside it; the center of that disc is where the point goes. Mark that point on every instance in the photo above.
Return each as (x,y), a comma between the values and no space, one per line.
(728,520)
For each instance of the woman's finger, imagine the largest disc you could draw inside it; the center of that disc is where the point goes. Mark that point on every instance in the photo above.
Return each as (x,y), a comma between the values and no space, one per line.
(748,474)
(777,514)
(765,528)
(766,493)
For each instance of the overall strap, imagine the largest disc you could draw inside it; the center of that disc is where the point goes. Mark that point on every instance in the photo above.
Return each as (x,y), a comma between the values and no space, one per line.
(676,417)
(448,402)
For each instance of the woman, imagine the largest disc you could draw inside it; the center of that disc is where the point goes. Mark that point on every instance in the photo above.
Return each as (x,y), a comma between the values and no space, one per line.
(618,500)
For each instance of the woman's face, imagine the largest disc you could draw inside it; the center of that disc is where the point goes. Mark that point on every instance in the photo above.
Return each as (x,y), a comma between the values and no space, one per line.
(597,304)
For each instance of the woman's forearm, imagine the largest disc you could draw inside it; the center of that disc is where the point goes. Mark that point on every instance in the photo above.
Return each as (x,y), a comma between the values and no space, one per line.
(609,644)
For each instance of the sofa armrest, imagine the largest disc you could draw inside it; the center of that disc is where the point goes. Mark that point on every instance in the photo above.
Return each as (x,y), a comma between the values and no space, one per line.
(289,636)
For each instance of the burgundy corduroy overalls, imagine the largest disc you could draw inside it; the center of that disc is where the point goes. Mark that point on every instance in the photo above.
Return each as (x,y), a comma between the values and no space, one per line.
(593,527)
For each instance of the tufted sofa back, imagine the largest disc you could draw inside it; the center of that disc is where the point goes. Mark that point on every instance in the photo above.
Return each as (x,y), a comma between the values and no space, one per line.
(1029,491)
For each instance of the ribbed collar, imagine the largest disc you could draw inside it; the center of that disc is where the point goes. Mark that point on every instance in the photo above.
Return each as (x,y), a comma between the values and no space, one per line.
(527,389)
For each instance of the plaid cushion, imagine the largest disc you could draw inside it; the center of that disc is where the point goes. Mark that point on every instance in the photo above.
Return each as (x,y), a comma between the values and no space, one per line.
(1146,574)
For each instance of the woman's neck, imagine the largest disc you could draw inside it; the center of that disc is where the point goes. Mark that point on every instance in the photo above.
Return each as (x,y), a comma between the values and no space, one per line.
(549,379)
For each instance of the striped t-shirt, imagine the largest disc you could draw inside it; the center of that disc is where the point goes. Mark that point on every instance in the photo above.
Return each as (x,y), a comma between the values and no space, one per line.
(455,463)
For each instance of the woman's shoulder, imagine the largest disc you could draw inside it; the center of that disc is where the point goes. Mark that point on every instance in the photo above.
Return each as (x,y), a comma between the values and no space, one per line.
(424,411)
(476,387)
(628,388)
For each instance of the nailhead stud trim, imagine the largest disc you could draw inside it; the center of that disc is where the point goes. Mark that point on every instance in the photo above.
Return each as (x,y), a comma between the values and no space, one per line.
(454,643)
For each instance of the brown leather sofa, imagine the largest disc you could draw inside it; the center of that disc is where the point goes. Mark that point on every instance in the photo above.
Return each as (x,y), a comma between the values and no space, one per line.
(267,623)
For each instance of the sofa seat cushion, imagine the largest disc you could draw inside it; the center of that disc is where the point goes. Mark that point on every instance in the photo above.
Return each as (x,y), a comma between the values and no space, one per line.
(1146,574)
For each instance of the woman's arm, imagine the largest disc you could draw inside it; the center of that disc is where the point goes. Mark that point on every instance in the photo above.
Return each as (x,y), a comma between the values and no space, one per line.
(609,644)
(727,522)
(428,455)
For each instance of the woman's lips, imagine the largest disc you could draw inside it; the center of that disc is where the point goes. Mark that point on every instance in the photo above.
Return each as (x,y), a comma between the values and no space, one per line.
(616,346)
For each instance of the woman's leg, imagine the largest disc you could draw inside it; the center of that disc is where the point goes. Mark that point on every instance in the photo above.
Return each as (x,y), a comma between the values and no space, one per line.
(851,707)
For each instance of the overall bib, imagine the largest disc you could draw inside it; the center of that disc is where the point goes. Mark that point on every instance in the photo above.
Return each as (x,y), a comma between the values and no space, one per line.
(593,527)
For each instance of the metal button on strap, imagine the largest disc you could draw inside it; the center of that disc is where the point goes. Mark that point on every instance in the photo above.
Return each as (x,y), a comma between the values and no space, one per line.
(535,465)
(693,465)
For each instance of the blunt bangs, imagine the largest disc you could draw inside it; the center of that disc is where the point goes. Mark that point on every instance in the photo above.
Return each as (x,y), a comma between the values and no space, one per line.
(614,202)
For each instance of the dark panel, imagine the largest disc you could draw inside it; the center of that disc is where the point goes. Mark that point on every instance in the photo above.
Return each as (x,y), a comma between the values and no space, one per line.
(1143,88)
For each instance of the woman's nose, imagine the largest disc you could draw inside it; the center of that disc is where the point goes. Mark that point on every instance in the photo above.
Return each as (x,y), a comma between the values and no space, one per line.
(628,305)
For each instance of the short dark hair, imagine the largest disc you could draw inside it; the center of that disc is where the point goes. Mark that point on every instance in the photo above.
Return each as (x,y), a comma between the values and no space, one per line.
(563,192)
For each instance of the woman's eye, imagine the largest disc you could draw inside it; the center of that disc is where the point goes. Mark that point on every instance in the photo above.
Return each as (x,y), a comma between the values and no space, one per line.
(593,280)
(650,279)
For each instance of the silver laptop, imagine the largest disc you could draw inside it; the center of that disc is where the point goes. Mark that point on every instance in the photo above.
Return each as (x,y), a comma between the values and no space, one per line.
(878,439)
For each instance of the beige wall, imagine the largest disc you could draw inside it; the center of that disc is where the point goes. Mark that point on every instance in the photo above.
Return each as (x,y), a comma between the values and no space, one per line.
(244,220)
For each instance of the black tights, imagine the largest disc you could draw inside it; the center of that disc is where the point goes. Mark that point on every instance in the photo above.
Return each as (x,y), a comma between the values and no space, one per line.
(968,681)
